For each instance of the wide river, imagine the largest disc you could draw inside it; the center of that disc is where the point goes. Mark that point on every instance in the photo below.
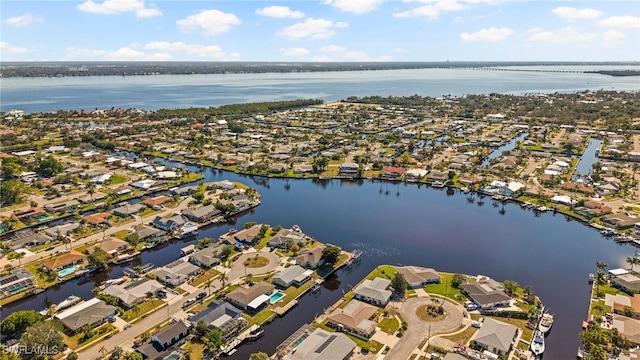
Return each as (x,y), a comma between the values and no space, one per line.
(180,91)
(391,223)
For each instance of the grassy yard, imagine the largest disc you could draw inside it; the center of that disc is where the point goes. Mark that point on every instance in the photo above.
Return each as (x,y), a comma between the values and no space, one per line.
(209,274)
(117,179)
(256,262)
(527,333)
(144,308)
(195,350)
(263,242)
(444,288)
(259,318)
(75,341)
(382,271)
(389,325)
(462,337)
(122,235)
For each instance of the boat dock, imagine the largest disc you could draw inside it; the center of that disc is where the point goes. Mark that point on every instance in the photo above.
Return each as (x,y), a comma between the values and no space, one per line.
(281,310)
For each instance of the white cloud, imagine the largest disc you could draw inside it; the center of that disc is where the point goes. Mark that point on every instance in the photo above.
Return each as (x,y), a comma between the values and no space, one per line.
(23,20)
(280,12)
(333,48)
(612,38)
(402,51)
(294,52)
(127,53)
(113,7)
(433,9)
(312,28)
(211,22)
(626,21)
(571,13)
(83,54)
(490,34)
(355,6)
(212,52)
(10,49)
(562,36)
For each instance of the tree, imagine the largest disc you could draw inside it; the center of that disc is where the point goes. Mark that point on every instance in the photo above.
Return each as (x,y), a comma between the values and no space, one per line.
(399,284)
(249,225)
(16,255)
(136,309)
(145,336)
(601,265)
(99,259)
(330,254)
(214,341)
(72,356)
(457,280)
(103,350)
(600,280)
(510,286)
(207,284)
(16,323)
(13,191)
(10,168)
(632,260)
(259,356)
(49,167)
(42,335)
(201,328)
(134,356)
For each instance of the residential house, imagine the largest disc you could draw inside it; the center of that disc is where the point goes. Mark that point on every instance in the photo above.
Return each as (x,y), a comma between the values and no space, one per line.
(418,277)
(87,313)
(310,258)
(373,291)
(620,220)
(486,294)
(112,246)
(71,259)
(67,206)
(26,237)
(169,224)
(496,336)
(16,281)
(164,344)
(348,169)
(392,172)
(176,273)
(224,185)
(207,257)
(628,283)
(63,230)
(128,210)
(98,219)
(31,214)
(293,275)
(134,292)
(302,168)
(220,315)
(323,345)
(248,236)
(201,214)
(148,234)
(354,319)
(415,174)
(251,298)
(628,327)
(622,305)
(286,238)
(156,202)
(144,184)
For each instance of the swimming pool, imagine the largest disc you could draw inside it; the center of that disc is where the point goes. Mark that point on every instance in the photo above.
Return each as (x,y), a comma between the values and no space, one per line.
(67,271)
(275,297)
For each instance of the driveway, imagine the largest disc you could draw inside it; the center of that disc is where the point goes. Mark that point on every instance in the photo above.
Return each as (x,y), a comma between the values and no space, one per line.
(420,329)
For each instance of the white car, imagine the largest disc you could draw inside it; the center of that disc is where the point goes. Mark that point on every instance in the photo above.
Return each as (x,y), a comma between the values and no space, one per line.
(476,324)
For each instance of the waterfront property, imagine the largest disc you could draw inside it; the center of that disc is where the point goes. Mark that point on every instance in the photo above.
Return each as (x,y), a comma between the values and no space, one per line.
(25,238)
(173,223)
(222,316)
(248,236)
(310,258)
(128,210)
(207,257)
(286,238)
(165,342)
(293,275)
(486,294)
(70,260)
(496,336)
(348,169)
(354,319)
(112,246)
(252,298)
(322,345)
(146,233)
(134,292)
(91,313)
(374,291)
(418,277)
(627,282)
(176,273)
(16,281)
(201,214)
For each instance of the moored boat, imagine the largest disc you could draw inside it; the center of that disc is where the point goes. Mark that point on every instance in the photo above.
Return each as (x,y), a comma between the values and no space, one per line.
(545,323)
(537,344)
(296,228)
(68,302)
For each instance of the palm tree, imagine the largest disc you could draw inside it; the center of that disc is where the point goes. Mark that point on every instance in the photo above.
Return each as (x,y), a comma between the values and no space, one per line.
(207,284)
(145,336)
(136,309)
(601,265)
(632,260)
(103,350)
(600,280)
(16,255)
(224,279)
(91,189)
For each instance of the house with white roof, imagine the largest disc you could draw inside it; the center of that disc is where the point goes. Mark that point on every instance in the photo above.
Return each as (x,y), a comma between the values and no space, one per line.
(374,291)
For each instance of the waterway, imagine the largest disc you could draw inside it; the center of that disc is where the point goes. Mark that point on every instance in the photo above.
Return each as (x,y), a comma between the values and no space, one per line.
(410,224)
(508,146)
(588,158)
(182,91)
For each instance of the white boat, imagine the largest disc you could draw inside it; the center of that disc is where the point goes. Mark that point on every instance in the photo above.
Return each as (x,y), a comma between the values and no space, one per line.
(68,302)
(296,228)
(545,323)
(187,230)
(537,344)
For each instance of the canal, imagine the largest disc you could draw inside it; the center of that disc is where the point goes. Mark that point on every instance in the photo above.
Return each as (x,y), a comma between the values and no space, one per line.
(588,158)
(508,146)
(410,224)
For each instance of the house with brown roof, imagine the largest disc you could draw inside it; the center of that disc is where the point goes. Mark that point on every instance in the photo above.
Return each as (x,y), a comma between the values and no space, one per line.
(392,172)
(251,298)
(98,219)
(354,319)
(155,202)
(112,246)
(486,294)
(418,277)
(632,307)
(248,236)
(64,261)
(310,258)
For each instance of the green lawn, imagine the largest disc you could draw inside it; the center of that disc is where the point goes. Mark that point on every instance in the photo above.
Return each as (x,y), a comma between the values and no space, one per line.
(462,337)
(144,308)
(444,288)
(117,179)
(75,341)
(389,325)
(263,242)
(209,274)
(122,235)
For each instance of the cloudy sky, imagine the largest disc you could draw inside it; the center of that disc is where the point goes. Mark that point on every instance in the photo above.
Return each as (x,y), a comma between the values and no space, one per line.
(321,30)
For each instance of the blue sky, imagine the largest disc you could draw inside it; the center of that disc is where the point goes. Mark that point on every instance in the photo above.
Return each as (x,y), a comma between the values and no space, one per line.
(323,30)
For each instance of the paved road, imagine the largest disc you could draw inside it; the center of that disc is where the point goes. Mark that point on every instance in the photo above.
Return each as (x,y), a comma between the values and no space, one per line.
(419,329)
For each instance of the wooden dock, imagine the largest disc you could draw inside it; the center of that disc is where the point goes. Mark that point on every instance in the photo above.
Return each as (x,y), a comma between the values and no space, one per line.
(281,310)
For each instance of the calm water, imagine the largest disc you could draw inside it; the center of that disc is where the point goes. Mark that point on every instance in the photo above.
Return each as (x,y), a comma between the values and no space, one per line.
(407,224)
(179,91)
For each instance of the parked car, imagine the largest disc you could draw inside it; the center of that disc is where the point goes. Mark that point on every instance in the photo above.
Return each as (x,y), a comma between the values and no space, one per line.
(137,342)
(476,324)
(188,302)
(201,295)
